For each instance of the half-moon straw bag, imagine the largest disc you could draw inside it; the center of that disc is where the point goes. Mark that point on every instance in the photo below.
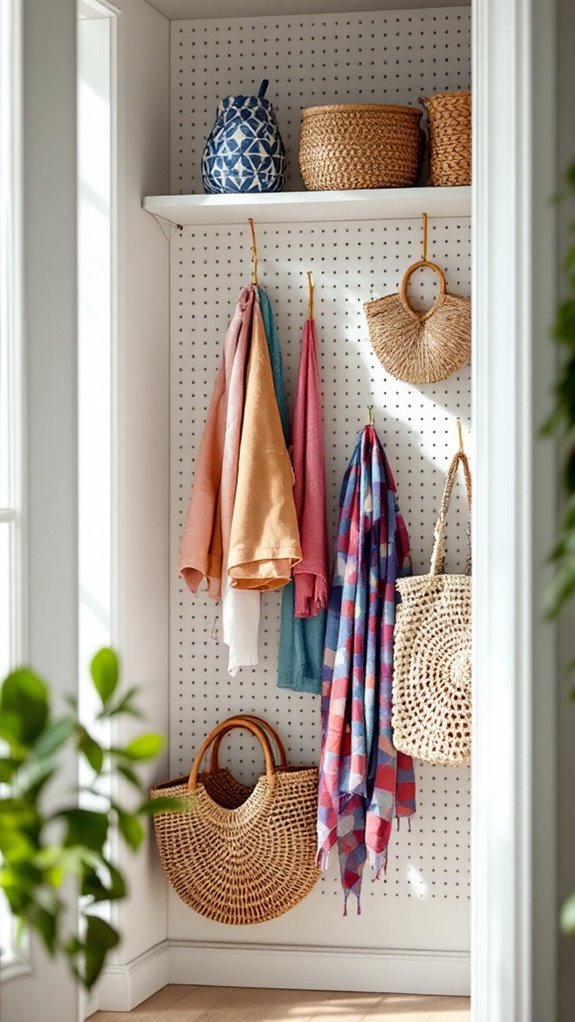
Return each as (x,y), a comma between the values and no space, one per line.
(420,347)
(240,854)
(431,716)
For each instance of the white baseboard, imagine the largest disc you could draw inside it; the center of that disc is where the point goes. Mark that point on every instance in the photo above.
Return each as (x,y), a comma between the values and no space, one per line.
(284,966)
(123,987)
(320,968)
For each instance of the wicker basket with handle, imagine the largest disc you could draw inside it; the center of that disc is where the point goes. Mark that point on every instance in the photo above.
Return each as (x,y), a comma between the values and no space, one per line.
(360,145)
(241,855)
(431,716)
(449,115)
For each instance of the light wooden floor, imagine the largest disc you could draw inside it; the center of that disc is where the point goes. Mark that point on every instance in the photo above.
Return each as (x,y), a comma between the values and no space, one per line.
(238,1004)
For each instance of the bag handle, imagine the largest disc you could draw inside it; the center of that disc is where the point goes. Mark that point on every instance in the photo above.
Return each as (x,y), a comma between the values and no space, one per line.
(422,316)
(223,728)
(263,88)
(438,553)
(270,731)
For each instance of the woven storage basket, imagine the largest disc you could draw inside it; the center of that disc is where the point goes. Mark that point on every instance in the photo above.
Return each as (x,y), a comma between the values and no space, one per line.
(449,115)
(431,716)
(420,347)
(241,855)
(360,145)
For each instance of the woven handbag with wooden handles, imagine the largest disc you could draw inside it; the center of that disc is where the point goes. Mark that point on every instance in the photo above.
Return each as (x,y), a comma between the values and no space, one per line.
(431,716)
(241,855)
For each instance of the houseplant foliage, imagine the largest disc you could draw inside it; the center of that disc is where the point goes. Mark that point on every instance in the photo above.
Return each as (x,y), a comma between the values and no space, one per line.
(562,422)
(52,832)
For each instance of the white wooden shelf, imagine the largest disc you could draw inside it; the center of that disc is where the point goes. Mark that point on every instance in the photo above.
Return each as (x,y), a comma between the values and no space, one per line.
(309,207)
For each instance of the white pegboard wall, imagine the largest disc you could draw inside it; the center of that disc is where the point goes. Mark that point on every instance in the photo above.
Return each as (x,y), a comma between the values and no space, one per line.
(428,875)
(311,59)
(374,57)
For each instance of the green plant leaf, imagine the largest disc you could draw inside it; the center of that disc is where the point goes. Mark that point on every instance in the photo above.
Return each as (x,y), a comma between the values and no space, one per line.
(91,750)
(101,938)
(145,747)
(11,732)
(33,776)
(166,804)
(15,846)
(94,886)
(560,589)
(53,737)
(567,918)
(25,697)
(105,673)
(45,922)
(8,768)
(124,706)
(130,828)
(17,813)
(86,828)
(130,775)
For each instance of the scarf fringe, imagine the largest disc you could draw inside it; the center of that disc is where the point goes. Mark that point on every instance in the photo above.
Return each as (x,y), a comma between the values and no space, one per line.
(358,902)
(322,860)
(310,603)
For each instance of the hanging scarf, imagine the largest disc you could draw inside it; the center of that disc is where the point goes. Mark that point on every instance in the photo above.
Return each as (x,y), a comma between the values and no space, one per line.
(264,537)
(240,607)
(311,574)
(201,552)
(302,635)
(363,782)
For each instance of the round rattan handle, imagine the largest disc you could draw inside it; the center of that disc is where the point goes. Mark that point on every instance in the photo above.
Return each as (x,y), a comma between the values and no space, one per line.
(422,316)
(270,731)
(229,725)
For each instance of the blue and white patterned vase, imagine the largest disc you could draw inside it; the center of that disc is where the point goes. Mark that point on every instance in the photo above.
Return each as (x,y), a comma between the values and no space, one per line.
(245,151)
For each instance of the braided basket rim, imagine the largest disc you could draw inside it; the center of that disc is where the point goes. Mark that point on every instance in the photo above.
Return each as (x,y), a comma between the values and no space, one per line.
(448,94)
(312,111)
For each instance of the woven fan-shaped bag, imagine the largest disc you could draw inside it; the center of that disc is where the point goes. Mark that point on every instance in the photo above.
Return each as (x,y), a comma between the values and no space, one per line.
(431,716)
(241,854)
(420,347)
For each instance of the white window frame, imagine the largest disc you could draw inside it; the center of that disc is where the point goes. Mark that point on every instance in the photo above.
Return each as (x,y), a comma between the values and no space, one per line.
(11,312)
(15,960)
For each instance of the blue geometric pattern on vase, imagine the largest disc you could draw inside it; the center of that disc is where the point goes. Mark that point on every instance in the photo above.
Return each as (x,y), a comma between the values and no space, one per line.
(244,151)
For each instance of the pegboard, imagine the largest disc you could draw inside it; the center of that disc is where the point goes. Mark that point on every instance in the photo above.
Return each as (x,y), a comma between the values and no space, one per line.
(428,874)
(424,901)
(375,57)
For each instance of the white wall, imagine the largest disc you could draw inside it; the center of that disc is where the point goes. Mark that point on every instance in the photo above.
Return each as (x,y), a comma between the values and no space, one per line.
(142,438)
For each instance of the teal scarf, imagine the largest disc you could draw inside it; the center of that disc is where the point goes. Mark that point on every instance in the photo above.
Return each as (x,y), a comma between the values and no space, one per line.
(300,657)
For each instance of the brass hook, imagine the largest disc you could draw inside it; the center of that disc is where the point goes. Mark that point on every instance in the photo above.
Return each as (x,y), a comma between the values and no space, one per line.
(370,415)
(460,435)
(254,252)
(424,219)
(309,295)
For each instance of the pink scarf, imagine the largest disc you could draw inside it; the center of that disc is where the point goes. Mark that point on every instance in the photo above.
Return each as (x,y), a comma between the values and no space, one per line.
(311,574)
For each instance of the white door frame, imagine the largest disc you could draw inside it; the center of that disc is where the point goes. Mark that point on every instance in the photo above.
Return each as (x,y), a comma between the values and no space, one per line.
(513,835)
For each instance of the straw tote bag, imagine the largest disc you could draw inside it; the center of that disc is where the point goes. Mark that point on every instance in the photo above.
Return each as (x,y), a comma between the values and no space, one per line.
(431,717)
(241,855)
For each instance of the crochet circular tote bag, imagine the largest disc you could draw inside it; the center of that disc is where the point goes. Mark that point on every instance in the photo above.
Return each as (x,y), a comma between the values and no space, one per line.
(241,854)
(244,151)
(431,717)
